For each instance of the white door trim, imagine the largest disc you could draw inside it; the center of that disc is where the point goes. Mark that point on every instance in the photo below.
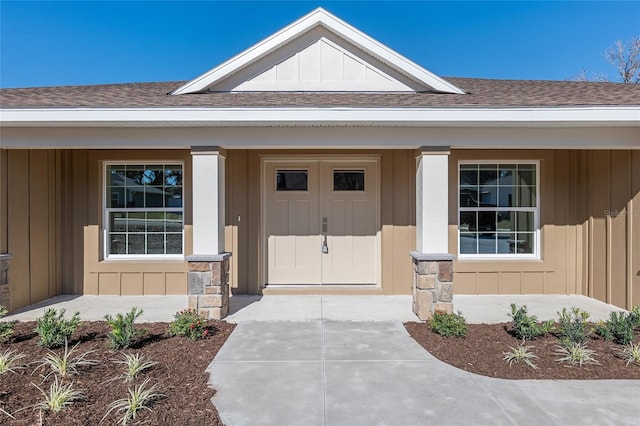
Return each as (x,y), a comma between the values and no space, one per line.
(313,158)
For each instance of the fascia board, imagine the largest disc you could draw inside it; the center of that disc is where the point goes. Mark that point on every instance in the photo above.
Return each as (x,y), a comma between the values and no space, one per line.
(322,116)
(301,26)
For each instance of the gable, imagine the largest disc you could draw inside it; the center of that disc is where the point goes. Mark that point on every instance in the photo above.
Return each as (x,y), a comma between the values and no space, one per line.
(324,64)
(318,52)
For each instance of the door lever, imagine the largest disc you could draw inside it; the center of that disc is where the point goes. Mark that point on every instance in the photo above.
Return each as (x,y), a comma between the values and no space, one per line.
(325,247)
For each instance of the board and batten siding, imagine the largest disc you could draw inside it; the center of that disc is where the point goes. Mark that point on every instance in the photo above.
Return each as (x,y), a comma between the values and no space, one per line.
(590,228)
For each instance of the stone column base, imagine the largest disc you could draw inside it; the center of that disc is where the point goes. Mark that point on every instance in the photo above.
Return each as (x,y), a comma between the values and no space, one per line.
(4,280)
(208,283)
(432,284)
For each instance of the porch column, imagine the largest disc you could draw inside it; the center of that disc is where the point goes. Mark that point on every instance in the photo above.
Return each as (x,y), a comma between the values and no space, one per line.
(208,276)
(432,263)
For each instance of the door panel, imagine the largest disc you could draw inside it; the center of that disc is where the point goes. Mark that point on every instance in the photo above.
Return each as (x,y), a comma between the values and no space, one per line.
(292,228)
(352,224)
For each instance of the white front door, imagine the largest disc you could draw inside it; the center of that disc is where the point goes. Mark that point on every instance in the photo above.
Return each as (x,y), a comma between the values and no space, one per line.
(321,222)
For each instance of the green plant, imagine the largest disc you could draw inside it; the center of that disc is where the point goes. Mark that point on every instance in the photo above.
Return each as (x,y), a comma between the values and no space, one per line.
(134,364)
(122,329)
(66,364)
(6,327)
(619,328)
(521,353)
(576,353)
(53,328)
(573,326)
(526,326)
(635,316)
(188,323)
(8,360)
(59,396)
(448,324)
(139,398)
(631,353)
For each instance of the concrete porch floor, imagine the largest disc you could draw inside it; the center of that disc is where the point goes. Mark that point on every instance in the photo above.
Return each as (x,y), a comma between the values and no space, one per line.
(477,309)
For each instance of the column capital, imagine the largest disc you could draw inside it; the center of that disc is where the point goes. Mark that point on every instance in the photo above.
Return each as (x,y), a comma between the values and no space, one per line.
(209,150)
(433,150)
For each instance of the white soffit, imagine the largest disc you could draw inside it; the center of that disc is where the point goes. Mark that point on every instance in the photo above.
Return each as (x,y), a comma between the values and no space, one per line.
(318,40)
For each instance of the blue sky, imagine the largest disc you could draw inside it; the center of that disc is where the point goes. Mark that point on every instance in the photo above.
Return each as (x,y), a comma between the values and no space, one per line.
(69,43)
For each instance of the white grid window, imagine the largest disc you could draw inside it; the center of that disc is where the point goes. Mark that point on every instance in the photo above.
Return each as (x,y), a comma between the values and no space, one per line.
(498,209)
(144,212)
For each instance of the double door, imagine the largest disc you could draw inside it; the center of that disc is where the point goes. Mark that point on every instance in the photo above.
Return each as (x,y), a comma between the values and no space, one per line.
(321,222)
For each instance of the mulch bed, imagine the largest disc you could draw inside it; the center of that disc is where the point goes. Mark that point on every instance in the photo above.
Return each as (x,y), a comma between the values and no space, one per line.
(180,373)
(481,352)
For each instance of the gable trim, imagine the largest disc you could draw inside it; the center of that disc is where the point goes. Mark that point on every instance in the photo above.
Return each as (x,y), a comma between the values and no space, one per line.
(319,17)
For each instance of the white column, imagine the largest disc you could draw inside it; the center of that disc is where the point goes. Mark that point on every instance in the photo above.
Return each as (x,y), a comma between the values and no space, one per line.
(432,200)
(208,200)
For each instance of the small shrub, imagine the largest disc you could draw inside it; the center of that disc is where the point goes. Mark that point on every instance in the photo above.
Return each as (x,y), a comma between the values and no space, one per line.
(526,326)
(573,326)
(576,353)
(122,329)
(53,328)
(630,353)
(635,316)
(139,398)
(188,323)
(521,353)
(134,365)
(9,361)
(448,324)
(66,364)
(59,396)
(619,328)
(6,327)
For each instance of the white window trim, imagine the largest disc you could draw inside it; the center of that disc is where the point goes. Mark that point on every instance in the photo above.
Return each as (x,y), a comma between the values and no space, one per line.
(105,214)
(511,256)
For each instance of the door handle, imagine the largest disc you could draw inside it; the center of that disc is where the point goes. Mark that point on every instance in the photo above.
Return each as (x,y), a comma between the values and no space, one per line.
(325,227)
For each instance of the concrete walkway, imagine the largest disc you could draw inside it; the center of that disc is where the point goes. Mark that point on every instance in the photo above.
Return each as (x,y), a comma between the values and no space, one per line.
(349,361)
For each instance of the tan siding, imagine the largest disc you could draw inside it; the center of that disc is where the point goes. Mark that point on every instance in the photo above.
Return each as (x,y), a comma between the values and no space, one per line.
(509,283)
(4,243)
(18,233)
(634,232)
(620,191)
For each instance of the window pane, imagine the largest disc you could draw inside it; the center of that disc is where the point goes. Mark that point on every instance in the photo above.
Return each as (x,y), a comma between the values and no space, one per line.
(526,175)
(468,174)
(348,180)
(525,221)
(116,197)
(486,221)
(135,196)
(506,221)
(527,196)
(155,221)
(135,244)
(173,175)
(134,174)
(506,174)
(487,243)
(469,196)
(174,243)
(505,243)
(117,243)
(153,176)
(468,221)
(136,222)
(525,242)
(155,243)
(118,222)
(173,196)
(507,196)
(488,174)
(154,196)
(488,196)
(115,176)
(173,222)
(291,180)
(468,243)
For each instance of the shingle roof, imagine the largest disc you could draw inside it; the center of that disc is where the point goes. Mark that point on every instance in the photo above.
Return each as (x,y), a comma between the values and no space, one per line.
(481,93)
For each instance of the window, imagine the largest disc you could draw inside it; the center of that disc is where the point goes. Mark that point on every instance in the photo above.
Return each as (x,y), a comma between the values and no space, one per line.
(291,180)
(348,180)
(144,212)
(498,209)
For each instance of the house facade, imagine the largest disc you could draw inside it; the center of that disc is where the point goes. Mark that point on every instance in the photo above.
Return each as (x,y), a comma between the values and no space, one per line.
(320,161)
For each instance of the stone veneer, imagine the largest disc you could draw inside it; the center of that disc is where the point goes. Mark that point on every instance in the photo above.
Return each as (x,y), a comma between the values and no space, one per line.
(208,284)
(432,283)
(4,280)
